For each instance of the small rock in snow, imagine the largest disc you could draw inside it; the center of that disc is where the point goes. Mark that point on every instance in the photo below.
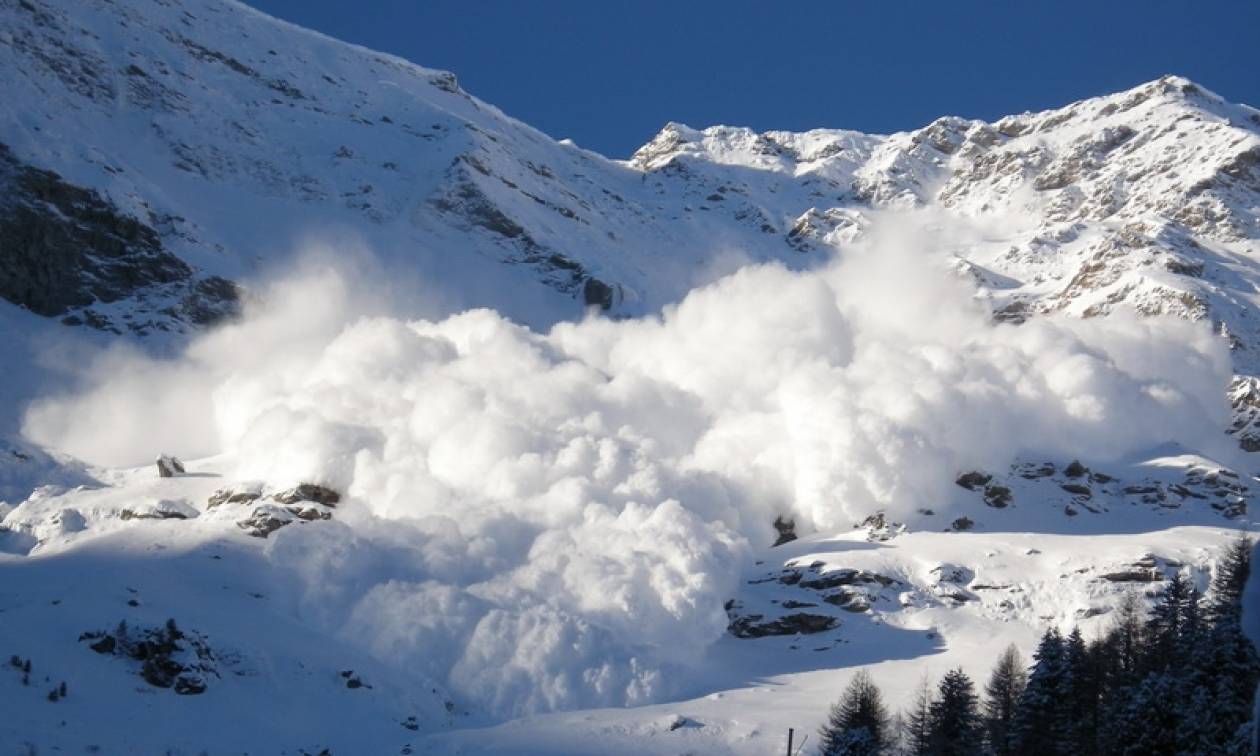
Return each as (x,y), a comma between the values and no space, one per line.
(168,466)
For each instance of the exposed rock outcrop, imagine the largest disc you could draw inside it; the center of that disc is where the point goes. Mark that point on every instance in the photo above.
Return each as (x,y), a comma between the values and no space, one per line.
(758,626)
(64,248)
(168,466)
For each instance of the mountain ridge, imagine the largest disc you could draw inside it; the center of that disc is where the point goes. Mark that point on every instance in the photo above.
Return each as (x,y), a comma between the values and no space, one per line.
(530,219)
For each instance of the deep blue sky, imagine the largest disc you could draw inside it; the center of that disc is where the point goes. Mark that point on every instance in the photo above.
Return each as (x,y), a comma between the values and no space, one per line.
(609,73)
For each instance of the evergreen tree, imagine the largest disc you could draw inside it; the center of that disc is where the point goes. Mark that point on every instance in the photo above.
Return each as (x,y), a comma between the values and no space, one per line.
(1199,671)
(916,724)
(1223,681)
(1228,582)
(1165,629)
(858,723)
(1038,723)
(858,742)
(955,725)
(1001,701)
(1079,709)
(1199,730)
(1149,722)
(1226,664)
(1118,659)
(1192,623)
(1179,680)
(1126,641)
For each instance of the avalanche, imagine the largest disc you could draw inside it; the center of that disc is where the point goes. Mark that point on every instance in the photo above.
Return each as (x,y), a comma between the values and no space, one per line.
(564,514)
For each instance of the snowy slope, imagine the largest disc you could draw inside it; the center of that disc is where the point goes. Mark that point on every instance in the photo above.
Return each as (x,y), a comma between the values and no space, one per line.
(237,137)
(275,683)
(1147,199)
(226,143)
(194,119)
(581,520)
(984,370)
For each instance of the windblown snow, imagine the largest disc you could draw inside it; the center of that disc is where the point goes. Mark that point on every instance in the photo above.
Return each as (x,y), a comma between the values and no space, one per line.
(565,513)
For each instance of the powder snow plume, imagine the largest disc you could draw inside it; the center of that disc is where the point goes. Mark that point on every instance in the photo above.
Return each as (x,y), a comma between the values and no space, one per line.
(553,520)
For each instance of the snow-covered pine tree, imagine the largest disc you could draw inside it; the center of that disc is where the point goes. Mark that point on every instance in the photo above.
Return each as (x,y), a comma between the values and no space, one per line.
(1140,716)
(857,742)
(1038,722)
(1199,671)
(1225,667)
(1148,722)
(1225,597)
(858,722)
(1001,701)
(955,725)
(1080,690)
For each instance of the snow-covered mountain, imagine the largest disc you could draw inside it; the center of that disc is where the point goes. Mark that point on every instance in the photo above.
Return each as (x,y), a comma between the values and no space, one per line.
(972,379)
(220,137)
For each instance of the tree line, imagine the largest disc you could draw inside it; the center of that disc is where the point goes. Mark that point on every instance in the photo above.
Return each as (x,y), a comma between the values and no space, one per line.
(1176,680)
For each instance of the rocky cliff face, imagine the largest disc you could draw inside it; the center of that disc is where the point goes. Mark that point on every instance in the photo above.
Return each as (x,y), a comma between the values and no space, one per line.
(68,252)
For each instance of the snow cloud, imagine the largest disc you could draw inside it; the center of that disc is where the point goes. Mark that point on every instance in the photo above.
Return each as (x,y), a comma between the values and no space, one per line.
(548,520)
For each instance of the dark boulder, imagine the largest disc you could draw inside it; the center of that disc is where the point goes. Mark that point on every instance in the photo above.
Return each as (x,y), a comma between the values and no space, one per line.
(786,529)
(846,576)
(230,496)
(168,466)
(1075,470)
(849,600)
(160,671)
(309,492)
(973,480)
(998,497)
(190,685)
(1132,576)
(265,520)
(757,626)
(596,293)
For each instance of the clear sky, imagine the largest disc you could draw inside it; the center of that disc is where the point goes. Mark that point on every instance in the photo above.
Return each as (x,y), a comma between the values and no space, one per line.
(610,73)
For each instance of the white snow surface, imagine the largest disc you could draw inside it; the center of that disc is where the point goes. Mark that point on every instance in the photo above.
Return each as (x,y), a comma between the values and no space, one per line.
(548,518)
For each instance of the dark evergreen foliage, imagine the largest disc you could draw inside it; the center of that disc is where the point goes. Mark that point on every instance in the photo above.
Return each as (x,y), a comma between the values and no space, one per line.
(1080,691)
(955,727)
(858,724)
(917,722)
(1178,680)
(1039,721)
(1001,701)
